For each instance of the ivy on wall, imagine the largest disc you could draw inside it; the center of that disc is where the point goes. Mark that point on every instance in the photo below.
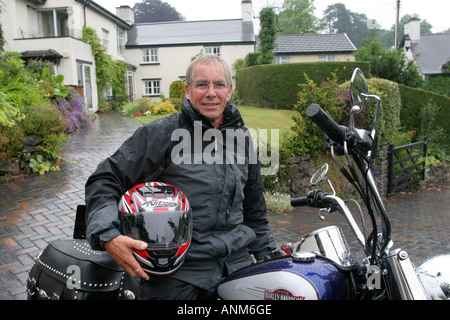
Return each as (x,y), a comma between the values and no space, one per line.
(109,72)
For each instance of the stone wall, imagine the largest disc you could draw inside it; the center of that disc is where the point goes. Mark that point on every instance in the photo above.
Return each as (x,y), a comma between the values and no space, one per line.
(302,167)
(20,164)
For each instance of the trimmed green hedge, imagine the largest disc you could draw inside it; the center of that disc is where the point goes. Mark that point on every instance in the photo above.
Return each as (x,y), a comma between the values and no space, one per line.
(426,111)
(276,85)
(415,99)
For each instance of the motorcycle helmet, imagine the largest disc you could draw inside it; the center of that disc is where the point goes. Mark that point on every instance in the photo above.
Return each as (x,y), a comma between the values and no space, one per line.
(160,215)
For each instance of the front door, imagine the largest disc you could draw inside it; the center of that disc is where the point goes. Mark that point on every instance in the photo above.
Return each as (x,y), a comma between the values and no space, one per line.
(131,84)
(85,79)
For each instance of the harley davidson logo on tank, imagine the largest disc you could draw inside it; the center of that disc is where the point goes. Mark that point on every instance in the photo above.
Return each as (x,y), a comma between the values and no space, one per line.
(281,294)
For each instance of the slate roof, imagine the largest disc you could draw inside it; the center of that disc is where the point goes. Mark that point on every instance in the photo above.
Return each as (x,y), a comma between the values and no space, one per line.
(313,43)
(233,31)
(432,53)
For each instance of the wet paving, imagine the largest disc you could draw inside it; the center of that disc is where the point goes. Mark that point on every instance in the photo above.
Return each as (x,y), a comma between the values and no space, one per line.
(36,210)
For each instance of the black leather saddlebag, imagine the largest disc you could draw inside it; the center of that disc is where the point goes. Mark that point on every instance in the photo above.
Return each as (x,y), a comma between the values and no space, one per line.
(71,270)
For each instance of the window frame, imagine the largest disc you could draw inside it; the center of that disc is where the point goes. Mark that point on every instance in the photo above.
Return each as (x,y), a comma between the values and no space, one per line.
(281,59)
(149,56)
(212,49)
(120,38)
(56,29)
(152,90)
(105,39)
(326,57)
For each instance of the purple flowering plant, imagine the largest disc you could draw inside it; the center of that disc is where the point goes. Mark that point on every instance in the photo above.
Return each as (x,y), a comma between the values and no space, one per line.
(74,112)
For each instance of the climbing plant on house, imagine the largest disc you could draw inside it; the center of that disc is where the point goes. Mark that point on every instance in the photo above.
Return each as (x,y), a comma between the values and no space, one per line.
(109,72)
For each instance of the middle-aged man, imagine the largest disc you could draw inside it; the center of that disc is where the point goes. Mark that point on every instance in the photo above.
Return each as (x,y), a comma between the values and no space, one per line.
(226,195)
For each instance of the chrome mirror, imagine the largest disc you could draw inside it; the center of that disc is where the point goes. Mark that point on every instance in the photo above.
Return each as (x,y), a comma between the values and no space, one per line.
(359,96)
(359,91)
(320,174)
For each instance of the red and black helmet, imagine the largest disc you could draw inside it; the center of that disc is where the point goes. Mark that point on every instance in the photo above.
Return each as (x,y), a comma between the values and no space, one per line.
(160,215)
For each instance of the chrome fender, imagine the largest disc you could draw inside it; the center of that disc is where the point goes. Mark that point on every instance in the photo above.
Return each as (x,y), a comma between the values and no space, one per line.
(434,274)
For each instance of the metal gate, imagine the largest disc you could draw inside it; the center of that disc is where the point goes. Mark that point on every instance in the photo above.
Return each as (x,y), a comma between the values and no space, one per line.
(406,165)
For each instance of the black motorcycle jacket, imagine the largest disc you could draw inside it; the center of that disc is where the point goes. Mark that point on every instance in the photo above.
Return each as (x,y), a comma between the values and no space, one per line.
(218,172)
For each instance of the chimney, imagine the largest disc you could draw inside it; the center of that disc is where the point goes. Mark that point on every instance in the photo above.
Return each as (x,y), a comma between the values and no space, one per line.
(247,11)
(412,28)
(126,13)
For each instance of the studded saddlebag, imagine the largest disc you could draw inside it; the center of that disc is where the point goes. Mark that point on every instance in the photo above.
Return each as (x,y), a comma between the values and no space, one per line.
(71,270)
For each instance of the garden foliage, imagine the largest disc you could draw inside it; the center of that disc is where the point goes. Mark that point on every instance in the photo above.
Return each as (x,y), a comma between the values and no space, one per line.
(145,106)
(36,103)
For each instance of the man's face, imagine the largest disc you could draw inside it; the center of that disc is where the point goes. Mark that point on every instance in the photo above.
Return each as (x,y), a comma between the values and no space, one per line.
(209,91)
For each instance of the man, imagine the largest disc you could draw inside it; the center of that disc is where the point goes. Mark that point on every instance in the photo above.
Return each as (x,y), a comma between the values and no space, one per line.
(226,196)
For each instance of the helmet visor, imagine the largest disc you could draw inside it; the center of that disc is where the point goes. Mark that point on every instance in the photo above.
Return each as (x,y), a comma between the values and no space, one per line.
(161,229)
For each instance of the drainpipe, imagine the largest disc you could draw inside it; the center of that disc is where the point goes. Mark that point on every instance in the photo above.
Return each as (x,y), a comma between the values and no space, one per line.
(87,3)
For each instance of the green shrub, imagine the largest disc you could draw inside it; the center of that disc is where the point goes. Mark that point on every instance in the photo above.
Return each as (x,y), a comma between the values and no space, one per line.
(177,102)
(36,67)
(251,59)
(176,89)
(164,108)
(44,121)
(53,86)
(308,138)
(10,142)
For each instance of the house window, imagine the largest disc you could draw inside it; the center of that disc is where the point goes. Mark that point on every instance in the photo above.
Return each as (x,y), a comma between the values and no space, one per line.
(151,87)
(105,39)
(53,23)
(149,55)
(326,57)
(215,50)
(282,59)
(120,42)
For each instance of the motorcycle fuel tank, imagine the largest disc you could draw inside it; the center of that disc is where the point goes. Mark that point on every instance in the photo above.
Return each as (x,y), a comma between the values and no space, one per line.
(302,276)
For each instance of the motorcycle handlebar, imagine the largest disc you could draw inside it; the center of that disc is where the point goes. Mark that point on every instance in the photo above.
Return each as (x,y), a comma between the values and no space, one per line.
(299,202)
(325,123)
(315,198)
(320,199)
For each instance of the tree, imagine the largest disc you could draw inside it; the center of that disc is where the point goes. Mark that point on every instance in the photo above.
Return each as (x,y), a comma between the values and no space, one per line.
(389,64)
(155,11)
(267,35)
(297,16)
(337,19)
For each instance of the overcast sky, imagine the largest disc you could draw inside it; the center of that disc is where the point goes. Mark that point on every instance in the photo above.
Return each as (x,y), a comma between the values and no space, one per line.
(436,12)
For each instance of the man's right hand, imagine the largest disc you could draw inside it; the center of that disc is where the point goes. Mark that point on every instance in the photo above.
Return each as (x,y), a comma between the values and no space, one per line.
(121,249)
